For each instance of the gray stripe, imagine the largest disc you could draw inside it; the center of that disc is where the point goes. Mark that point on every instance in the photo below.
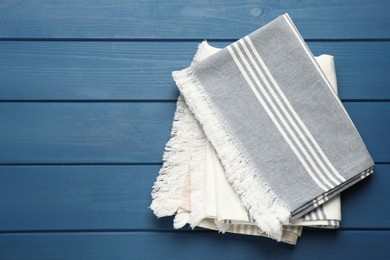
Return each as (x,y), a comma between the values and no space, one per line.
(223,104)
(323,212)
(317,216)
(313,217)
(274,110)
(235,228)
(296,132)
(253,230)
(288,112)
(250,219)
(318,158)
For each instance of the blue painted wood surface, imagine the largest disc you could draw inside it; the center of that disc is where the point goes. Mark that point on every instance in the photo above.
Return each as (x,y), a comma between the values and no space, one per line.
(114,198)
(86,106)
(126,132)
(47,70)
(179,245)
(188,19)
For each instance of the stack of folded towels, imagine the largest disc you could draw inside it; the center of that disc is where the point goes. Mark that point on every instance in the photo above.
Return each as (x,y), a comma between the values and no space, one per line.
(261,144)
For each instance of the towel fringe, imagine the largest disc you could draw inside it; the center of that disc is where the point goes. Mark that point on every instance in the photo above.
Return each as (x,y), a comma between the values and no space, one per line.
(261,202)
(181,218)
(168,189)
(205,50)
(186,138)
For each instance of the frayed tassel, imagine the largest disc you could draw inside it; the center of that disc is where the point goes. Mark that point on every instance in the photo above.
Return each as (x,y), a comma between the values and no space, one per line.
(168,189)
(186,138)
(181,219)
(204,51)
(261,202)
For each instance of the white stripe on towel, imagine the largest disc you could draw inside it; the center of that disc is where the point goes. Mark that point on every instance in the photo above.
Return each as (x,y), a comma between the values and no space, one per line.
(290,109)
(271,115)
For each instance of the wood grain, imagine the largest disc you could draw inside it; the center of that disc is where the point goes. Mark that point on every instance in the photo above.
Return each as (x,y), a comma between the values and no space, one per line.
(222,19)
(126,132)
(118,197)
(166,245)
(86,107)
(84,132)
(142,70)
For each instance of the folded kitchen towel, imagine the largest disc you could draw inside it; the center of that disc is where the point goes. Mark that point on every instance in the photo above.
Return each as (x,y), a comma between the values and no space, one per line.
(282,135)
(217,206)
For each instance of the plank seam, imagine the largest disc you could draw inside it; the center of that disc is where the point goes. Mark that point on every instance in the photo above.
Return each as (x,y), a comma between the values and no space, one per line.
(140,100)
(180,39)
(3,232)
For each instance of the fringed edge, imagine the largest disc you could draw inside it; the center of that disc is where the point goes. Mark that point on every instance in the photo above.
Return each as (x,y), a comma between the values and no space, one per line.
(257,197)
(181,218)
(167,191)
(205,50)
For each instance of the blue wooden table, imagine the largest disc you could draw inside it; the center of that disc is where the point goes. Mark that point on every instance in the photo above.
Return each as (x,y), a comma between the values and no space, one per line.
(86,106)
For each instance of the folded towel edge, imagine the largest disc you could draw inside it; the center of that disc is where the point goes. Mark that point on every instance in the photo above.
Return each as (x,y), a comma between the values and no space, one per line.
(262,203)
(167,191)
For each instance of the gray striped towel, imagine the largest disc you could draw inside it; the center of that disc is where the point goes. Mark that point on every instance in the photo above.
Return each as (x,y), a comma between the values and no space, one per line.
(208,199)
(282,135)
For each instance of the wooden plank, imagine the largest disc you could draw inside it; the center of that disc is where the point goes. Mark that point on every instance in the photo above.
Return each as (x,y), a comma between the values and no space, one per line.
(119,19)
(88,197)
(142,70)
(127,132)
(367,114)
(118,198)
(84,132)
(141,245)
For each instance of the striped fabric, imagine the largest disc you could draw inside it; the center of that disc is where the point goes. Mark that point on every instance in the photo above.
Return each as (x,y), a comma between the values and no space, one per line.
(246,224)
(283,115)
(290,233)
(285,145)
